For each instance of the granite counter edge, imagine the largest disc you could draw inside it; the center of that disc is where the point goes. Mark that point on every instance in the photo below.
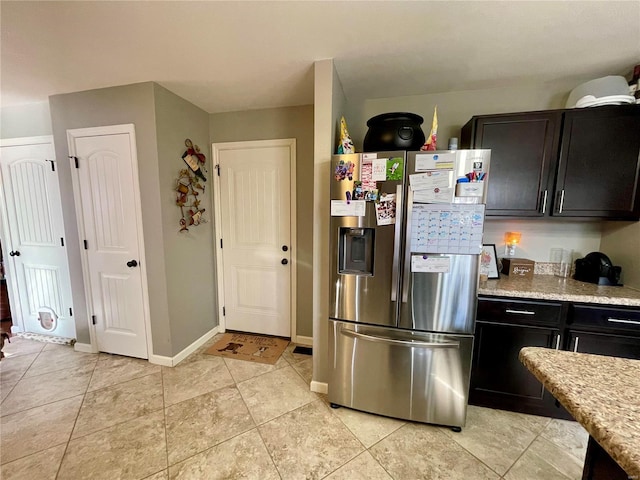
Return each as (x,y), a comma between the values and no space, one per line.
(599,432)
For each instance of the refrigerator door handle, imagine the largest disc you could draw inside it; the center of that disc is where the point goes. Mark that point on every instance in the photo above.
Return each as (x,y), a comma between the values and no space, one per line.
(396,247)
(404,343)
(407,254)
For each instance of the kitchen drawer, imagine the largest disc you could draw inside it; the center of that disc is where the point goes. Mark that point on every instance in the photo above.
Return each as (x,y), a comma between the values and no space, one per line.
(519,312)
(624,346)
(598,318)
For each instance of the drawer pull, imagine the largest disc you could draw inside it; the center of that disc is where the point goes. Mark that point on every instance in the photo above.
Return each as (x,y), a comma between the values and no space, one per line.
(521,312)
(575,345)
(619,320)
(558,342)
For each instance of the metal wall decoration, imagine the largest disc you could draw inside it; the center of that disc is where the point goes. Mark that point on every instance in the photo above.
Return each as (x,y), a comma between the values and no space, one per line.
(189,187)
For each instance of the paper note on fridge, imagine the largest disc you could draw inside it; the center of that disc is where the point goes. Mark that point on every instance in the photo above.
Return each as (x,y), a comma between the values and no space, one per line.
(431,180)
(436,195)
(355,208)
(379,172)
(426,264)
(435,161)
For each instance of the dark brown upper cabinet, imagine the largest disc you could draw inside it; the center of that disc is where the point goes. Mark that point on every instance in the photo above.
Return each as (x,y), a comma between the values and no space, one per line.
(599,164)
(561,163)
(523,160)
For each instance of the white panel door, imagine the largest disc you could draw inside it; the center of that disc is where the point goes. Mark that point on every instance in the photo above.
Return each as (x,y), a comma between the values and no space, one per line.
(37,267)
(256,210)
(107,182)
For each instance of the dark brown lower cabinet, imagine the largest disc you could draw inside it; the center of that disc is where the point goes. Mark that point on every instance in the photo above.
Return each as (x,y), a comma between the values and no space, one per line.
(505,325)
(498,378)
(598,465)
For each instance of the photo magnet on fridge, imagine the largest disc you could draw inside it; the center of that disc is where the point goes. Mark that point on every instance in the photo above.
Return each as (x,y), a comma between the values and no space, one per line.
(395,168)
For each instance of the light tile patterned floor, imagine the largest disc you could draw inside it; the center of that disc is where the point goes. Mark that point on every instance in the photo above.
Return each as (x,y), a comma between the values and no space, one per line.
(69,415)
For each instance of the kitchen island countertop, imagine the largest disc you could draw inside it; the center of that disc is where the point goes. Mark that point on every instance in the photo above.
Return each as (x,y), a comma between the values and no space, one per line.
(600,392)
(550,287)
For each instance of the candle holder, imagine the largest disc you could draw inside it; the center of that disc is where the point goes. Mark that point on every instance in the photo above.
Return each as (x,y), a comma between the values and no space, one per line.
(511,240)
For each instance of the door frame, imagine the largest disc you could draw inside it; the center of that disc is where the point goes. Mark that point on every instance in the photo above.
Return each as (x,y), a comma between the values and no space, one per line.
(72,134)
(5,234)
(216,148)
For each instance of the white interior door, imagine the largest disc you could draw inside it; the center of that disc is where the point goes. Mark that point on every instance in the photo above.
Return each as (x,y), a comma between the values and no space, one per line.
(37,267)
(255,221)
(109,213)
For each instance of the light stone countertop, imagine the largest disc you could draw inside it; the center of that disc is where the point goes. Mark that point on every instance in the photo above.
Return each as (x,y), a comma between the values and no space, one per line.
(602,393)
(550,287)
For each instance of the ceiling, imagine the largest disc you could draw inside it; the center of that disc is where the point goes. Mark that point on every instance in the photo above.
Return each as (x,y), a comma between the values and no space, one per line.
(229,56)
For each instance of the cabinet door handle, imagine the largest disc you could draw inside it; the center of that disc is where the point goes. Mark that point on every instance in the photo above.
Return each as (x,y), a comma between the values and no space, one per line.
(558,342)
(561,201)
(620,320)
(521,312)
(575,344)
(544,201)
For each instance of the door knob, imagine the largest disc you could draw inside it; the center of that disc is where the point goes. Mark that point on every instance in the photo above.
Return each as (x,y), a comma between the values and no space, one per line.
(284,248)
(284,261)
(132,263)
(14,253)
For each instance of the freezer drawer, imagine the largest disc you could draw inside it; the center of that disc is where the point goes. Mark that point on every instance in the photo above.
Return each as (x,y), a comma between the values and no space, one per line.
(399,373)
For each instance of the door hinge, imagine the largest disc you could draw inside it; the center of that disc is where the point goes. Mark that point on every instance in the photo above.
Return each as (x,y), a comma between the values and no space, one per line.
(93,319)
(61,242)
(70,312)
(86,244)
(220,243)
(224,312)
(53,165)
(75,159)
(218,169)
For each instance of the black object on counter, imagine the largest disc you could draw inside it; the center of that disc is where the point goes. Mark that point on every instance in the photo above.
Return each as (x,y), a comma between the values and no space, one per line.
(596,268)
(394,131)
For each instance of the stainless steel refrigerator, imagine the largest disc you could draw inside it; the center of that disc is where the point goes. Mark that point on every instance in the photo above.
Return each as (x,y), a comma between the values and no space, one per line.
(406,237)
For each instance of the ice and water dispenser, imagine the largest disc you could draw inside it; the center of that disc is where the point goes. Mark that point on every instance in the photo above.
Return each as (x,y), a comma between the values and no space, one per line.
(356,250)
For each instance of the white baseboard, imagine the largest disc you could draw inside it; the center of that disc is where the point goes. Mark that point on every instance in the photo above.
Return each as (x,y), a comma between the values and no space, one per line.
(306,341)
(176,359)
(161,360)
(84,347)
(319,387)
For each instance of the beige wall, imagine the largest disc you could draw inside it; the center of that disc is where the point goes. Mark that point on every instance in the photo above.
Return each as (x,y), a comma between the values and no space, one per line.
(188,256)
(276,123)
(30,120)
(330,104)
(180,269)
(540,236)
(621,243)
(457,108)
(116,106)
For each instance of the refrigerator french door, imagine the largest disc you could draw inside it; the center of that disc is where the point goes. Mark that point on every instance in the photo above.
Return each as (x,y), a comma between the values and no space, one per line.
(403,295)
(365,270)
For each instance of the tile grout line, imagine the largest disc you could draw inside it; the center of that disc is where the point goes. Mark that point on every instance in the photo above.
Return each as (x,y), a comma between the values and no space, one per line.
(164,416)
(280,415)
(525,451)
(122,421)
(255,427)
(51,403)
(64,454)
(258,430)
(42,404)
(23,373)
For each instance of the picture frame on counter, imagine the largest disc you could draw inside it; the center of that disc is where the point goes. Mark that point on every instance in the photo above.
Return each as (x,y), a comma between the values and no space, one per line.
(489,261)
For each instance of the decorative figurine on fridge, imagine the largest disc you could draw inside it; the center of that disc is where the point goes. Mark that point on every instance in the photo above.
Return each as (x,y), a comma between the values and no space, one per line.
(430,144)
(346,144)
